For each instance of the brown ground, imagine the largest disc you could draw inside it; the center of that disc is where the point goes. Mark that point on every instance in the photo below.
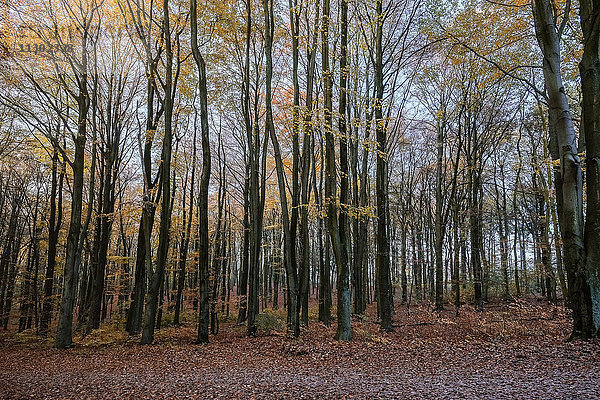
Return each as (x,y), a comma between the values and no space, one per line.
(506,352)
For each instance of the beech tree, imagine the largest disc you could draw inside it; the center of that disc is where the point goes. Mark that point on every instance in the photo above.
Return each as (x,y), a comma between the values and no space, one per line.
(570,181)
(589,67)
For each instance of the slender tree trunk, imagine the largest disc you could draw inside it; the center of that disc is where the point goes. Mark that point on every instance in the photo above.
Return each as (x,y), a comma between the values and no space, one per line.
(8,261)
(296,188)
(143,259)
(324,292)
(344,330)
(157,277)
(476,240)
(306,168)
(249,157)
(243,277)
(289,246)
(385,299)
(54,223)
(439,229)
(457,247)
(27,277)
(111,161)
(516,219)
(204,181)
(185,241)
(64,335)
(12,269)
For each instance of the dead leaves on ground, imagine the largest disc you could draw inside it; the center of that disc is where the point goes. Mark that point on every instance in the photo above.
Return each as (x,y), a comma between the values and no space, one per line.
(509,350)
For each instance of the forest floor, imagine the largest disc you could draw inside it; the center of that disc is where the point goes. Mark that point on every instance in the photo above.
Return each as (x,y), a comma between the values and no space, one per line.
(507,351)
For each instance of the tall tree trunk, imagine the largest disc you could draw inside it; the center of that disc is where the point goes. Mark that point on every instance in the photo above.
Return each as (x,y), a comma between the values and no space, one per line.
(589,67)
(439,228)
(361,258)
(143,259)
(256,185)
(516,218)
(306,168)
(571,185)
(158,274)
(383,245)
(344,330)
(111,159)
(204,182)
(64,335)
(296,189)
(248,157)
(289,246)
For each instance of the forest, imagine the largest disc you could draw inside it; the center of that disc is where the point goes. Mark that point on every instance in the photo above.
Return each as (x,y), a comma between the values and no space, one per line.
(296,188)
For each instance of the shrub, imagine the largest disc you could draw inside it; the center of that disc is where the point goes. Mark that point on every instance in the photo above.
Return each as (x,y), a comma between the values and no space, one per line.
(271,320)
